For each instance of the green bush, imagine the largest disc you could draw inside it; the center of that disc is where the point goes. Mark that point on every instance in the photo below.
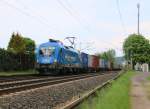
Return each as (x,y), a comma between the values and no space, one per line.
(10,61)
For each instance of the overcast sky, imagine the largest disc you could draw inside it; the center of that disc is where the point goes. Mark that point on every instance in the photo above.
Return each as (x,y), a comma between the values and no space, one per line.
(95,23)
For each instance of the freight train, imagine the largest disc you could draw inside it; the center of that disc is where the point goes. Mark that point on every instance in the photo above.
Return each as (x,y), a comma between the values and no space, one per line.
(53,57)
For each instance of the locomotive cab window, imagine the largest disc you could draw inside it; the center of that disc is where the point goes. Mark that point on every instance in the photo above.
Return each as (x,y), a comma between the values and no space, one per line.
(50,51)
(41,52)
(47,51)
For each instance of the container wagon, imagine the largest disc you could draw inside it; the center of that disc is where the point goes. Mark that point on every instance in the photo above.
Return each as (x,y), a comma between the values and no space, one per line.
(95,63)
(84,62)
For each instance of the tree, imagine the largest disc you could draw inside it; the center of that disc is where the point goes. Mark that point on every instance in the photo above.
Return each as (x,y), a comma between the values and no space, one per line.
(22,48)
(20,45)
(29,45)
(137,47)
(108,55)
(16,44)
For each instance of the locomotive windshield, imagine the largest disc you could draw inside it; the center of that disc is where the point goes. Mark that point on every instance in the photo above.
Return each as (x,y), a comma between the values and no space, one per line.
(47,51)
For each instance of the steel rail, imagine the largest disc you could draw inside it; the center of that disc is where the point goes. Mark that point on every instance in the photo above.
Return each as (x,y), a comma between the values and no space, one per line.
(31,84)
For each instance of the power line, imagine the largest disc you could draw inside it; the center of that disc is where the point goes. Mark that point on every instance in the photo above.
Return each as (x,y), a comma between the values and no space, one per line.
(76,18)
(35,13)
(41,20)
(44,19)
(72,14)
(76,13)
(25,13)
(69,5)
(28,8)
(121,18)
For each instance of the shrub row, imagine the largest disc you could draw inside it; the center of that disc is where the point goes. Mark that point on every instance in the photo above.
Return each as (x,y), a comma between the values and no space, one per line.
(10,61)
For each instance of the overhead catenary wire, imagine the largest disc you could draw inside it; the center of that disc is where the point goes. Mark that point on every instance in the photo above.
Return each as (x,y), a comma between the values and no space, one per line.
(87,47)
(90,45)
(42,19)
(27,14)
(27,7)
(121,18)
(75,17)
(76,13)
(72,15)
(71,11)
(24,12)
(68,10)
(85,20)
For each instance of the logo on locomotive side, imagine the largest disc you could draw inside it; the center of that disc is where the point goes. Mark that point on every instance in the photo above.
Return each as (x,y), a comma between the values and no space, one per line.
(70,58)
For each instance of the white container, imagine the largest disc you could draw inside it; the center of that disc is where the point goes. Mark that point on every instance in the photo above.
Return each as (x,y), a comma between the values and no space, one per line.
(102,63)
(90,59)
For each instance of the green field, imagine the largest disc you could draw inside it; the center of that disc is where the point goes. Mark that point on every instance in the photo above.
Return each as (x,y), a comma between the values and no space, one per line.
(17,73)
(115,96)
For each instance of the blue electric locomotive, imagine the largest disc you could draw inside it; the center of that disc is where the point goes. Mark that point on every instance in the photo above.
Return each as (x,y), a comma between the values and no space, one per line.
(53,57)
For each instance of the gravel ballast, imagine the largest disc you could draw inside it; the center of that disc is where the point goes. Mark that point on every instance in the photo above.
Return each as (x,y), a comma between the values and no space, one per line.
(55,96)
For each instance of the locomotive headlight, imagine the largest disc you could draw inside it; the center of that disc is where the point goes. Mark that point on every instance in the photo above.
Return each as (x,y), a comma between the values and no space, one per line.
(55,60)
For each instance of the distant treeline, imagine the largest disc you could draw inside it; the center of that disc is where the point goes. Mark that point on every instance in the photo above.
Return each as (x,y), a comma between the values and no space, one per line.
(11,61)
(19,54)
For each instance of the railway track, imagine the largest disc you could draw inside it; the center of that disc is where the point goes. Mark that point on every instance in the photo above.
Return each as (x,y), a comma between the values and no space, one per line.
(81,99)
(18,78)
(21,85)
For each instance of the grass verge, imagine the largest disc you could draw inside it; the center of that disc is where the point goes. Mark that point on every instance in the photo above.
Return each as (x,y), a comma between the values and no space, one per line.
(19,73)
(147,87)
(148,78)
(115,96)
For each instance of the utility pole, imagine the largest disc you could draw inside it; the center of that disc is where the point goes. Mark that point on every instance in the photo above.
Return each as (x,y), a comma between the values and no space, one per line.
(138,25)
(130,60)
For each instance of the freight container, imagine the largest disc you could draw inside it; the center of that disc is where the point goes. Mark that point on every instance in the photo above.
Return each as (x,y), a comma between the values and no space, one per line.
(95,62)
(105,64)
(90,59)
(102,66)
(84,60)
(99,63)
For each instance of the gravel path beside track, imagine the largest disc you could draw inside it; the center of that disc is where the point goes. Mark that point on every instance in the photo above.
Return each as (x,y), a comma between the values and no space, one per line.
(139,97)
